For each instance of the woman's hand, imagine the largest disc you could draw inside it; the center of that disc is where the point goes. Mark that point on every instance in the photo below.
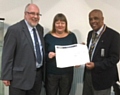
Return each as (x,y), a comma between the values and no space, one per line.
(51,55)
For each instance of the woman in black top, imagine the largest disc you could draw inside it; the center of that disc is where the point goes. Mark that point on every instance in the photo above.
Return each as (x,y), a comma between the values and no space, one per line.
(58,78)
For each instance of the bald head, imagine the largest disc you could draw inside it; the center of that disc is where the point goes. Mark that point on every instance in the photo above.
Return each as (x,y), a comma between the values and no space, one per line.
(27,8)
(96,19)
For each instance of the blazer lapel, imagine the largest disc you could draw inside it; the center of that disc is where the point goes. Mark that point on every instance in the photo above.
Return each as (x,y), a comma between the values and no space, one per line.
(99,44)
(26,31)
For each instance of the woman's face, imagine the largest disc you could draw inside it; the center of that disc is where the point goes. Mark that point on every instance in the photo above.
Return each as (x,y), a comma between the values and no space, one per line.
(60,26)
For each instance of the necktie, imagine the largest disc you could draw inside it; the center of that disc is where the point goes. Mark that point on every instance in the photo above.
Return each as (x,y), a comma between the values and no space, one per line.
(94,40)
(38,54)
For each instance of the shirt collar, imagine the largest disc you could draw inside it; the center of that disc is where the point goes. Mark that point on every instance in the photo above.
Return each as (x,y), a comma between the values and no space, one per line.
(29,27)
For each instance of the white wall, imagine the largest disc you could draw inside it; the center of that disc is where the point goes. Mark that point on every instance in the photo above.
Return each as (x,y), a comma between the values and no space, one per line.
(76,12)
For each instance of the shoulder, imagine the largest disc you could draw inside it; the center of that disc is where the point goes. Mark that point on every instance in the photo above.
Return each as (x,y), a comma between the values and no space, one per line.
(90,32)
(49,38)
(72,34)
(40,29)
(39,26)
(111,31)
(47,35)
(15,27)
(73,37)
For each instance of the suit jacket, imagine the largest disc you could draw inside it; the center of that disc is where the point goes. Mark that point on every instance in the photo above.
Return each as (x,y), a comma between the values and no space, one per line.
(18,57)
(105,70)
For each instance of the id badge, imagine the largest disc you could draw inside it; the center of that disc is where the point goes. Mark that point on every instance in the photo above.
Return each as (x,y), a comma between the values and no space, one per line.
(102,52)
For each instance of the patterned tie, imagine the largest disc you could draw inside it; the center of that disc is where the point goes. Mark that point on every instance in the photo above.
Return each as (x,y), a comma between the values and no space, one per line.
(38,53)
(94,40)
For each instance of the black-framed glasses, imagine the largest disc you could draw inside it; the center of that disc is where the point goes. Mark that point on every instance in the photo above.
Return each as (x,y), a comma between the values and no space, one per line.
(33,13)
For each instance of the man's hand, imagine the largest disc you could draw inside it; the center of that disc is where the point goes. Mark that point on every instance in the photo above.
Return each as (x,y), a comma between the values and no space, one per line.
(90,65)
(6,82)
(77,66)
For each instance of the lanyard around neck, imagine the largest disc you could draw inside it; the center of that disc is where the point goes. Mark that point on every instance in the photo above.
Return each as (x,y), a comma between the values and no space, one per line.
(98,36)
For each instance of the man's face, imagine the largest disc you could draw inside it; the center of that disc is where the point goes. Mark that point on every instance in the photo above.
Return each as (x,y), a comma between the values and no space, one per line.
(96,20)
(32,15)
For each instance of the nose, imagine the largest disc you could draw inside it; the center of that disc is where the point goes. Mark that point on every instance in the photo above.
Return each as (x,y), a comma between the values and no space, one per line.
(60,24)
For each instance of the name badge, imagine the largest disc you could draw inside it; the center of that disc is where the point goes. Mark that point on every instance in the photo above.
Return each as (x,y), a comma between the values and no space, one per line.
(102,52)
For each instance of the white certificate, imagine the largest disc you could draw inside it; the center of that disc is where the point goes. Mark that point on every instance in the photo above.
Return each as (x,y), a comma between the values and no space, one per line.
(71,55)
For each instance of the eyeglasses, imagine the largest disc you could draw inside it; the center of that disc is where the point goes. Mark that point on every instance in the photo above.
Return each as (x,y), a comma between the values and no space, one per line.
(33,14)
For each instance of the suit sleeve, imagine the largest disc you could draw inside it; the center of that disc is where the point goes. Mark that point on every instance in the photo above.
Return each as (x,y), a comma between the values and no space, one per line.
(8,54)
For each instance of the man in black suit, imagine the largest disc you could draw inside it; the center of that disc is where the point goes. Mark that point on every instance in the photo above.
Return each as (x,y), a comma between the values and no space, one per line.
(21,70)
(101,72)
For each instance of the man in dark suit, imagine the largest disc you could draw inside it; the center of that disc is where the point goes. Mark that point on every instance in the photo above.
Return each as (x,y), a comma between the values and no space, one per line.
(102,41)
(21,70)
